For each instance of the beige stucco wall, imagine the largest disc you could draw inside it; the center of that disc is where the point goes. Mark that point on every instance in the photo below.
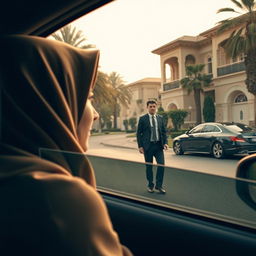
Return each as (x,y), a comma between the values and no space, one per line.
(141,91)
(226,87)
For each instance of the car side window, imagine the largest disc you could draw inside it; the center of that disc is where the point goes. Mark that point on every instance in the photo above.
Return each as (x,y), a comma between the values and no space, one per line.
(197,129)
(210,128)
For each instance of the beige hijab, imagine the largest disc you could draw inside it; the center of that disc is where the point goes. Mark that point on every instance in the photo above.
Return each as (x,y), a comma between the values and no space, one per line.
(44,86)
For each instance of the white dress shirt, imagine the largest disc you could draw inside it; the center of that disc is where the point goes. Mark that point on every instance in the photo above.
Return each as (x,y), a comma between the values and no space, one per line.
(151,124)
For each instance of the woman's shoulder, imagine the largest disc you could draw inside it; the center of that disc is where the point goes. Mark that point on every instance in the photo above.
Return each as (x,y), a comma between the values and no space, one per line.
(54,183)
(67,195)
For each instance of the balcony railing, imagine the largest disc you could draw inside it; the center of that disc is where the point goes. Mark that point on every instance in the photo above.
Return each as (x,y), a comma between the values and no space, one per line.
(229,69)
(171,85)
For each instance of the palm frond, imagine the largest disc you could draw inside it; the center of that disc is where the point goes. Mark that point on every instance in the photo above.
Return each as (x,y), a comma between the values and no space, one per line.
(247,4)
(233,23)
(226,10)
(103,93)
(239,5)
(195,79)
(72,36)
(234,45)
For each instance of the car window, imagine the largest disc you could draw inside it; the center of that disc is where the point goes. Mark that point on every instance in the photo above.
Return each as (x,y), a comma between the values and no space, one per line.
(211,128)
(150,64)
(189,191)
(197,129)
(241,128)
(235,128)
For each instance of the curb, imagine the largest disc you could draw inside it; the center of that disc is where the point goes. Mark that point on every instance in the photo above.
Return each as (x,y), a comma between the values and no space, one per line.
(117,146)
(127,147)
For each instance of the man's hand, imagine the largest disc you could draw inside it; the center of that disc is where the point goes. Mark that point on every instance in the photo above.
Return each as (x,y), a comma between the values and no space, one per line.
(166,146)
(141,150)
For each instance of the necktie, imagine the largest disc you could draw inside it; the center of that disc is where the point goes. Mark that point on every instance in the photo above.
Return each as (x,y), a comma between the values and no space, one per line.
(154,138)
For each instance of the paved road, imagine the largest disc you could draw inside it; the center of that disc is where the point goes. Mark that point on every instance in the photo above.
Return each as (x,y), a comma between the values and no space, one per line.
(191,191)
(121,147)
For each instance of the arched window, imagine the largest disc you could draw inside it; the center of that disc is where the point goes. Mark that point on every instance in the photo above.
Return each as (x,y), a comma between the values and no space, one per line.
(172,106)
(240,98)
(190,60)
(167,73)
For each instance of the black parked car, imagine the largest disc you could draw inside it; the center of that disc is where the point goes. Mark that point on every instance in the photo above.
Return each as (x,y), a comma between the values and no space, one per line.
(218,139)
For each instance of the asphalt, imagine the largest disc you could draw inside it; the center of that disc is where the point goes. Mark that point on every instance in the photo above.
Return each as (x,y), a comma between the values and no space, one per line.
(121,141)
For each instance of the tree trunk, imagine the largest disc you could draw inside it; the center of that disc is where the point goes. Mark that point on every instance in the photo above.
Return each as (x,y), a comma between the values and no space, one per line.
(254,110)
(115,116)
(101,124)
(250,81)
(197,99)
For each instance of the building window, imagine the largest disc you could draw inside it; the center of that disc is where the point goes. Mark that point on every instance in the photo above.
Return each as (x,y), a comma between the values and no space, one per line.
(209,65)
(222,60)
(240,98)
(241,115)
(167,72)
(190,60)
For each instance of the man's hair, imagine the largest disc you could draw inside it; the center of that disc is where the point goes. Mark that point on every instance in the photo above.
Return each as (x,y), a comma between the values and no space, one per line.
(151,102)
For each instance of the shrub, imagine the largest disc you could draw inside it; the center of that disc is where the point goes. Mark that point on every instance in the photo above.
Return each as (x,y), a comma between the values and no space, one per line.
(177,117)
(164,114)
(126,124)
(209,109)
(112,130)
(133,122)
(109,124)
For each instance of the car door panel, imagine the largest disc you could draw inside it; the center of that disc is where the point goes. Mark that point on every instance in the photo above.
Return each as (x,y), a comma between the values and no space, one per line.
(153,230)
(195,142)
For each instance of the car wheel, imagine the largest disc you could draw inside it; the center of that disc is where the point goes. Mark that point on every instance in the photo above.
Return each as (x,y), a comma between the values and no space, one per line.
(217,150)
(177,148)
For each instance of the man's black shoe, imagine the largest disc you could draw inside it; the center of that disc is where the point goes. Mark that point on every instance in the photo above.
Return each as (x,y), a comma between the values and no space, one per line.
(160,190)
(150,190)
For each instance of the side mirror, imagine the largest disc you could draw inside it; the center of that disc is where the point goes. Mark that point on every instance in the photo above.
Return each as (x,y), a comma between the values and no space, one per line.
(187,132)
(246,185)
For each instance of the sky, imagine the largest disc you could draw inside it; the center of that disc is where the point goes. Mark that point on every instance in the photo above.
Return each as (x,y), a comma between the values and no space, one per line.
(127,31)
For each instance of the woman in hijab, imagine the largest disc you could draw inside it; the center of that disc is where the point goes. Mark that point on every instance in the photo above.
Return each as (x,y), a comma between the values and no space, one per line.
(46,102)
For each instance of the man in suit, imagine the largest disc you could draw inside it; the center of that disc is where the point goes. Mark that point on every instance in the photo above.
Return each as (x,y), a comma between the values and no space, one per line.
(152,139)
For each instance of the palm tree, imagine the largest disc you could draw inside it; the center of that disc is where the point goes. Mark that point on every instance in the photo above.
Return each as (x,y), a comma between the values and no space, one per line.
(122,94)
(72,36)
(242,40)
(195,81)
(104,95)
(103,92)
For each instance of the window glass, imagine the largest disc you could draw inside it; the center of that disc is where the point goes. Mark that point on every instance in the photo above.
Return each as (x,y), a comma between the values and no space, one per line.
(234,128)
(241,98)
(211,128)
(241,115)
(141,46)
(197,129)
(206,195)
(209,65)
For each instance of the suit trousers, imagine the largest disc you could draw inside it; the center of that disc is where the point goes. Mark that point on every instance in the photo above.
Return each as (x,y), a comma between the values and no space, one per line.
(154,150)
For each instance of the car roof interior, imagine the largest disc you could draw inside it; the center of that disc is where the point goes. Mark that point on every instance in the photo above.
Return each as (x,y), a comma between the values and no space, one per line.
(37,18)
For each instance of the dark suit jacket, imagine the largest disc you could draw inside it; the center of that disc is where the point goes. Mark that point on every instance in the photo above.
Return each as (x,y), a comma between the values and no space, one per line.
(144,131)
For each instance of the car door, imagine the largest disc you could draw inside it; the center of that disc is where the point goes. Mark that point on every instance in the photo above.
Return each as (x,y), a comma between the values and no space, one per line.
(209,135)
(194,140)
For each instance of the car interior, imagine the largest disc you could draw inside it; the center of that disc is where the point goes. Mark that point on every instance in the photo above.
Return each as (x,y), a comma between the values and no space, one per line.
(203,214)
